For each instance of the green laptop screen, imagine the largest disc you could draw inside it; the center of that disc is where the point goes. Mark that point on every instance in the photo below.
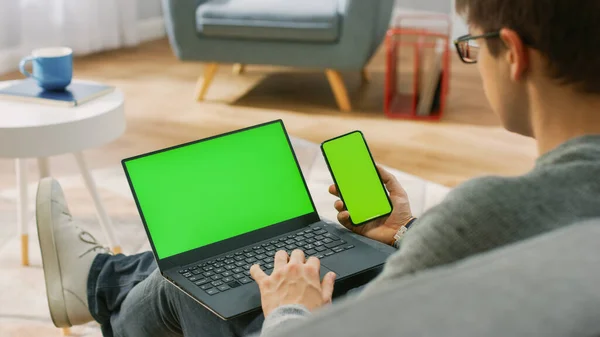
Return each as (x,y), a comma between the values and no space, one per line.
(205,192)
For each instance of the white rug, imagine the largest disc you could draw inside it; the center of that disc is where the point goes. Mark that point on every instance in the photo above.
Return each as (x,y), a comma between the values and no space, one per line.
(23,307)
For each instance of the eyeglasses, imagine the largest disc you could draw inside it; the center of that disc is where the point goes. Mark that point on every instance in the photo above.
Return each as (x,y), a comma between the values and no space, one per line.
(468,47)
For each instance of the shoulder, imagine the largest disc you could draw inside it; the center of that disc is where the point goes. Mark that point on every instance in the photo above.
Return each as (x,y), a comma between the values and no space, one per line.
(485,194)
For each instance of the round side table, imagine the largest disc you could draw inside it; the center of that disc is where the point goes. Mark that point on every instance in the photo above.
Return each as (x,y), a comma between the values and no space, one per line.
(31,130)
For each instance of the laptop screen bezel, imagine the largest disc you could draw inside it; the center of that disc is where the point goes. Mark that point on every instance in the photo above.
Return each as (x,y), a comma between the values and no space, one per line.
(235,242)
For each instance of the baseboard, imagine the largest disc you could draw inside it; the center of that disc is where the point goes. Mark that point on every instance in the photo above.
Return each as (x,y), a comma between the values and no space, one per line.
(9,59)
(151,29)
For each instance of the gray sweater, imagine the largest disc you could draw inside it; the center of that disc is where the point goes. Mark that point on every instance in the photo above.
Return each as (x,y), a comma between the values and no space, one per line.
(487,213)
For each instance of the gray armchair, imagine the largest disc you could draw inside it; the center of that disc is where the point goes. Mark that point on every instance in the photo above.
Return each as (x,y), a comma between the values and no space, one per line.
(326,34)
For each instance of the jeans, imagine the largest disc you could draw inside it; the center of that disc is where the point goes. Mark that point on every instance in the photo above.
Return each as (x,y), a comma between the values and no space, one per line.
(128,297)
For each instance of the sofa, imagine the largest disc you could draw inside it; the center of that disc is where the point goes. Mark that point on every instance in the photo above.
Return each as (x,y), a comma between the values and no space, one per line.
(329,35)
(546,286)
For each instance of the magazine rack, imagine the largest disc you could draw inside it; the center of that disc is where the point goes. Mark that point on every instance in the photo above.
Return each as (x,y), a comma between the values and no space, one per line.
(407,44)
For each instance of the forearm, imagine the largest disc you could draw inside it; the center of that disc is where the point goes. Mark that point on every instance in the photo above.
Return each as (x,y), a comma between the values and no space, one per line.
(283,317)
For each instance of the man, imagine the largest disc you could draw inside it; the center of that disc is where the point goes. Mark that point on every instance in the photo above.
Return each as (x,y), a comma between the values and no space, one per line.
(541,73)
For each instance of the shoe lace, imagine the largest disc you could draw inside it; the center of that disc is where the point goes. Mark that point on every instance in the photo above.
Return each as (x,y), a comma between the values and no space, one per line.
(90,239)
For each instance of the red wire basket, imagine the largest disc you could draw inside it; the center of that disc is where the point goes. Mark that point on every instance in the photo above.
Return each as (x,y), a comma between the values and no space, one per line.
(402,39)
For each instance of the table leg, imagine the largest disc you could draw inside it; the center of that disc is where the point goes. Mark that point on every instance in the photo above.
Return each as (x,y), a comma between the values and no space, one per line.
(22,209)
(105,221)
(44,167)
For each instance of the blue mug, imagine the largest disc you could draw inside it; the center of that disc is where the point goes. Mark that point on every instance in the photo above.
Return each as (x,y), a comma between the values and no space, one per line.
(52,67)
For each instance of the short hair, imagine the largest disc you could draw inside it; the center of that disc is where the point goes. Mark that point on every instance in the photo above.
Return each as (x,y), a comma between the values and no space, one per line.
(565,32)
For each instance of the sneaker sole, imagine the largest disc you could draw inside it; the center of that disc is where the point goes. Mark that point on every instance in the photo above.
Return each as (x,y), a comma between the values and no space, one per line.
(50,261)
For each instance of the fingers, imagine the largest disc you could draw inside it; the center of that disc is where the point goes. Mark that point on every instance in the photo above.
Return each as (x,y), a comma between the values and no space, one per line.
(327,286)
(344,219)
(339,206)
(257,274)
(281,259)
(333,190)
(315,267)
(313,261)
(297,256)
(391,183)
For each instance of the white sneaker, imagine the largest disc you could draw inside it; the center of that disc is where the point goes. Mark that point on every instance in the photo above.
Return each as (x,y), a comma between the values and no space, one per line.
(67,255)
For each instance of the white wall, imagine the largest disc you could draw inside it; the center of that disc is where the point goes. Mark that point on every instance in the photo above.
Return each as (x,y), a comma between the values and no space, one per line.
(150,25)
(148,9)
(459,25)
(442,6)
(439,6)
(8,37)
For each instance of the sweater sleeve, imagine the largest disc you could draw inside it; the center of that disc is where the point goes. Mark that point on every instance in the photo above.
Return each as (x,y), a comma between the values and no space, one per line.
(463,224)
(282,317)
(469,221)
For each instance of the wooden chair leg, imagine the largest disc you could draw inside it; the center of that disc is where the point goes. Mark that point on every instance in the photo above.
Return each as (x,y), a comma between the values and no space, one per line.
(239,68)
(365,76)
(339,89)
(65,331)
(204,82)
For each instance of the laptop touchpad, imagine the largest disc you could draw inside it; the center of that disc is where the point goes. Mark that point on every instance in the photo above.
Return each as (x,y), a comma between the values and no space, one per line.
(324,271)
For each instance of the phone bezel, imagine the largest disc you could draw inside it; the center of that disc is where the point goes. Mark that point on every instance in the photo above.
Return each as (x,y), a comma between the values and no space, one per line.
(376,170)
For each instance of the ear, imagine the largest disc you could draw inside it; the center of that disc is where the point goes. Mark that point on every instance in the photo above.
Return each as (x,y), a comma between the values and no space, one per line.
(517,55)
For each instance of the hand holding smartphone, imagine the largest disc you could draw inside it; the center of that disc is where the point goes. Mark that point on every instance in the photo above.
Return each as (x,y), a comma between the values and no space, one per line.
(356,177)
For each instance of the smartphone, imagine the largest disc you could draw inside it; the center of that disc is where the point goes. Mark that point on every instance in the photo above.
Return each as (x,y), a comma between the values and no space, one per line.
(357,179)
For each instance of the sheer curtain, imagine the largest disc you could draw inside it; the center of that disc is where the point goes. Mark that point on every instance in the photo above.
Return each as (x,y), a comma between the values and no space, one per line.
(86,26)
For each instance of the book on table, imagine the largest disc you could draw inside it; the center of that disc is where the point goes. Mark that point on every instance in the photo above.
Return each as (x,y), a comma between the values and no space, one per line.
(431,81)
(75,94)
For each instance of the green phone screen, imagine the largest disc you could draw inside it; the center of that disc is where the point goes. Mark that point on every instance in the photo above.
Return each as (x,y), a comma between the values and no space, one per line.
(356,177)
(205,192)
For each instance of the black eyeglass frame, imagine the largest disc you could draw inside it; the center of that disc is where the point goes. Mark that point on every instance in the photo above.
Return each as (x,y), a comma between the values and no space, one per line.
(469,37)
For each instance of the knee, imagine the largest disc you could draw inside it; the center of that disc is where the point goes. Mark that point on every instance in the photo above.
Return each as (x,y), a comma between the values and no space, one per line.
(148,311)
(155,279)
(160,286)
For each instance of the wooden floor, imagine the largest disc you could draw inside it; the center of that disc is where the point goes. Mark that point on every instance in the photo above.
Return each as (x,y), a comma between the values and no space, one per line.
(161,112)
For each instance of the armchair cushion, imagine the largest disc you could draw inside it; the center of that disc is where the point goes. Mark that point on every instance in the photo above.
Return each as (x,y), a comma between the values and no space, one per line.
(301,21)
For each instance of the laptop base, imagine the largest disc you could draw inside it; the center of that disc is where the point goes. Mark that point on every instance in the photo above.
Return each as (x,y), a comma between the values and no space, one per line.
(354,267)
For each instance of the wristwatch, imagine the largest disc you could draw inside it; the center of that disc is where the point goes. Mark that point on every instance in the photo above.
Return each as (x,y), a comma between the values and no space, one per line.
(402,231)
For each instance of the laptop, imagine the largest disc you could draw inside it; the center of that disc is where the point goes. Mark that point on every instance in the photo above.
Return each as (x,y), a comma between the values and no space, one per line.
(214,207)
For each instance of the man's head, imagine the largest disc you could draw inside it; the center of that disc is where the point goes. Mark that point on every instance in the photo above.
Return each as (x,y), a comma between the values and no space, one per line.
(542,44)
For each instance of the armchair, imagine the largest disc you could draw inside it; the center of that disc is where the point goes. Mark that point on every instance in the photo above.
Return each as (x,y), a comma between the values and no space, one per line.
(325,34)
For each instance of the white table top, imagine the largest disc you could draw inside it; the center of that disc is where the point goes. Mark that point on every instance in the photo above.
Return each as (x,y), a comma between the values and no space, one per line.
(35,130)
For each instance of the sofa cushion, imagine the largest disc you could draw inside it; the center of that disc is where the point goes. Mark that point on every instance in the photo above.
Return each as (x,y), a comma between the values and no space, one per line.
(288,20)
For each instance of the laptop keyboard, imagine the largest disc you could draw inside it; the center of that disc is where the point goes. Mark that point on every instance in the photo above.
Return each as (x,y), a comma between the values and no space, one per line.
(233,269)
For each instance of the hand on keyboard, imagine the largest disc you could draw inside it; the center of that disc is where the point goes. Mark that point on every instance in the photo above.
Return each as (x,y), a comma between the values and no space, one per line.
(233,269)
(296,281)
